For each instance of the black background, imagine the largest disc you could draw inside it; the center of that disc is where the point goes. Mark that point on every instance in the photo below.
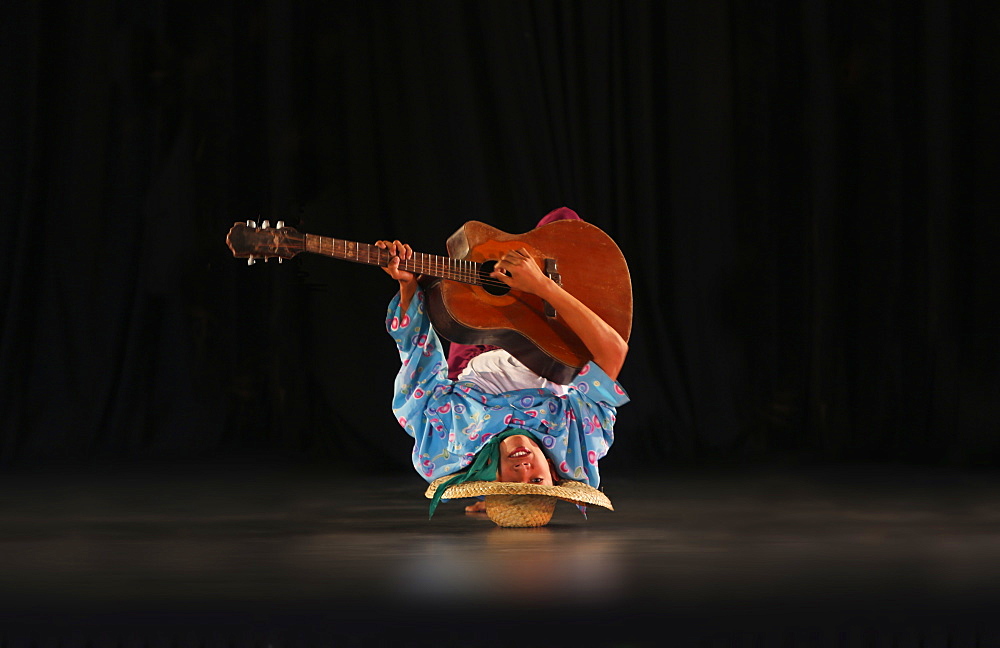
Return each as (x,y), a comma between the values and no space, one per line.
(806,195)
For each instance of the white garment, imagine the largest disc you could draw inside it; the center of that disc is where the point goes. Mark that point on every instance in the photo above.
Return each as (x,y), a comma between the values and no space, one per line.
(497,371)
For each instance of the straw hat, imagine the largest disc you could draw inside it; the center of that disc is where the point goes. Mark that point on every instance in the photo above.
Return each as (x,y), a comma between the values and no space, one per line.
(513,504)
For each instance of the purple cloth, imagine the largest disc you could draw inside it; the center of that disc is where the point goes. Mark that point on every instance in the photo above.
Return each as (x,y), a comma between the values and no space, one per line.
(459,355)
(563,213)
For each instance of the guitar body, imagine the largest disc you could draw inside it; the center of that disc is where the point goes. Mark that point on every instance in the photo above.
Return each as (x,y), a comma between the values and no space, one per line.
(591,268)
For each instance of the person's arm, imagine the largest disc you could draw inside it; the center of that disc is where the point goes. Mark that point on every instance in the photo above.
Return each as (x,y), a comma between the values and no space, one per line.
(520,271)
(407,280)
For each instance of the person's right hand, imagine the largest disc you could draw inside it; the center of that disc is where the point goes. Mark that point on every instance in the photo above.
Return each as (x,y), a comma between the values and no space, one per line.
(399,252)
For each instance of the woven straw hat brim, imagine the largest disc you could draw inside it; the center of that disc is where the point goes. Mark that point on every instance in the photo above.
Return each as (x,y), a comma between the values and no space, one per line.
(568,490)
(520,510)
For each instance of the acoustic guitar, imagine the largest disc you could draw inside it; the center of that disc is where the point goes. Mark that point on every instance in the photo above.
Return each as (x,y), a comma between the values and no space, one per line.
(468,306)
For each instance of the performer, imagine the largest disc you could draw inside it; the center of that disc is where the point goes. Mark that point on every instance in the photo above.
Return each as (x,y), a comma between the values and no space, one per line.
(498,430)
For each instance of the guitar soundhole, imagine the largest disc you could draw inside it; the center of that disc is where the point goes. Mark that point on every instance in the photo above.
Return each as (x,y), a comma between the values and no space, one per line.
(491,285)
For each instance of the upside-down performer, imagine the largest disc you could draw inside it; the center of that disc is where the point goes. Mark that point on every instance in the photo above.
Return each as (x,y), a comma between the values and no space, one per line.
(497,431)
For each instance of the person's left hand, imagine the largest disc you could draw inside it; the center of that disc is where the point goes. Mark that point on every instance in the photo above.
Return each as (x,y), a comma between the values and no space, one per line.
(519,270)
(398,252)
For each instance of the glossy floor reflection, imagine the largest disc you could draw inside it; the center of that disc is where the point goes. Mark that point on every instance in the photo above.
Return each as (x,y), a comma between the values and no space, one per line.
(291,556)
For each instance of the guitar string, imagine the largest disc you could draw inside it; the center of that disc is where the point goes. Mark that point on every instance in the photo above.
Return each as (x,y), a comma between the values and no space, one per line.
(440,266)
(471,273)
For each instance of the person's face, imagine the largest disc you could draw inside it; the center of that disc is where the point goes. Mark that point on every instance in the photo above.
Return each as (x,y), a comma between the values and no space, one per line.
(522,460)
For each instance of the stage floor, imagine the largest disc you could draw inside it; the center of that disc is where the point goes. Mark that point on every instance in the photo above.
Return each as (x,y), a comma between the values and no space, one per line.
(245,554)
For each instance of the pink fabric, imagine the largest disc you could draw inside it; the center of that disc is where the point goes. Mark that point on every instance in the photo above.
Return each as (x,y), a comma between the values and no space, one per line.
(563,213)
(459,355)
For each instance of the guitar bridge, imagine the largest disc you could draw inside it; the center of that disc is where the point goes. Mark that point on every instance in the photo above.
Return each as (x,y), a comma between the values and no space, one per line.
(552,272)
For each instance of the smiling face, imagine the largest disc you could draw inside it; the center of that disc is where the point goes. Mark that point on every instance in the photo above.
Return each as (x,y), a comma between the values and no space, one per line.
(522,460)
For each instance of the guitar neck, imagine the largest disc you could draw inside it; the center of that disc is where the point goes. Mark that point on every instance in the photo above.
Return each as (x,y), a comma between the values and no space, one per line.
(432,265)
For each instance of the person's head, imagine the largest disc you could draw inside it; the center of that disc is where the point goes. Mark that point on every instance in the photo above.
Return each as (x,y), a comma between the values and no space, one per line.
(517,480)
(522,460)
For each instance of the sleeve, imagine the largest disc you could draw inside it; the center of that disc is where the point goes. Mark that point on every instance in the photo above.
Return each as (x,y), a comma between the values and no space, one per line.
(598,387)
(423,365)
(445,423)
(593,403)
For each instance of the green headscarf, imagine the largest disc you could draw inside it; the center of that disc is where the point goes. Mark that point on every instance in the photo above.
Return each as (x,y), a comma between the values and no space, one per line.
(483,467)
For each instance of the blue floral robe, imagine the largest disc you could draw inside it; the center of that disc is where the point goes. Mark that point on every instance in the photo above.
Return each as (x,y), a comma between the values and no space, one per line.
(451,420)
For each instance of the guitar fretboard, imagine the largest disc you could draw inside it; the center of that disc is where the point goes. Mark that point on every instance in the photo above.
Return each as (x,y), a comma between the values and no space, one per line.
(426,264)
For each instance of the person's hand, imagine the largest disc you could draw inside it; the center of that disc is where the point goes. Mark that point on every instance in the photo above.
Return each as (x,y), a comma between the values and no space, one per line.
(519,270)
(399,252)
(407,280)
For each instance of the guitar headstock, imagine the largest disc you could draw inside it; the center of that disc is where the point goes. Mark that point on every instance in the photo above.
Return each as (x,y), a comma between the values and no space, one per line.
(247,241)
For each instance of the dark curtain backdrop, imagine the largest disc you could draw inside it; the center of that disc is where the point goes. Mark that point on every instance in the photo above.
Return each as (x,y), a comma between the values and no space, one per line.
(806,195)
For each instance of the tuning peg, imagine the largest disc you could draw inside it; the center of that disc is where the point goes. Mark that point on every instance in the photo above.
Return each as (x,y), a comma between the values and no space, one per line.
(265,225)
(251,224)
(280,259)
(279,224)
(250,261)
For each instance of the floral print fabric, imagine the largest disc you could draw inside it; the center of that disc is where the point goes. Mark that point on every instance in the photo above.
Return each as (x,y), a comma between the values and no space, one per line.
(451,420)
